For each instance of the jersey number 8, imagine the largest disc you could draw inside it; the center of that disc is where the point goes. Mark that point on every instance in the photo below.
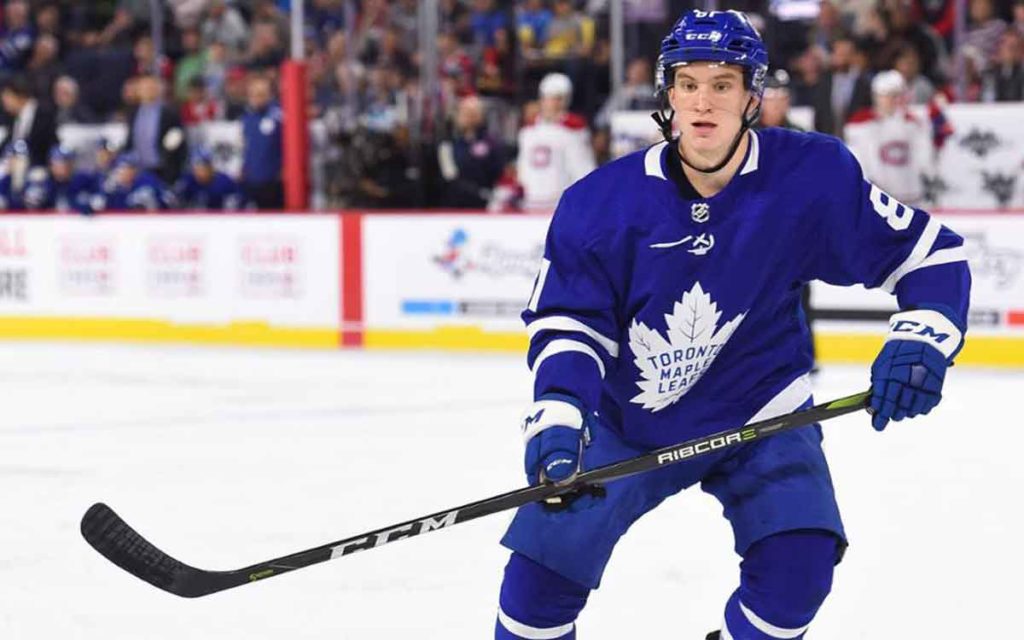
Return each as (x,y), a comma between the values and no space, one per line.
(897,215)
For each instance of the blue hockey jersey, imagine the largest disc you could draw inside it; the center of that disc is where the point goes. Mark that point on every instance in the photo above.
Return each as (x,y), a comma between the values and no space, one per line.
(43,193)
(219,194)
(675,318)
(146,193)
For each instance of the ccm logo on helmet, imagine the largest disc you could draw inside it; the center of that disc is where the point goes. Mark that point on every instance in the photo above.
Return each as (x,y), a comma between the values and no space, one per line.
(713,36)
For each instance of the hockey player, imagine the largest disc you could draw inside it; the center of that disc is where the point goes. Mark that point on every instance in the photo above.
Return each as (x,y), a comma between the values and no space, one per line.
(667,307)
(62,188)
(131,188)
(203,188)
(554,149)
(894,148)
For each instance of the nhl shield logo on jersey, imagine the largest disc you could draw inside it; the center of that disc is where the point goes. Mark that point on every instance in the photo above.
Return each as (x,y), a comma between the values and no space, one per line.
(670,366)
(700,211)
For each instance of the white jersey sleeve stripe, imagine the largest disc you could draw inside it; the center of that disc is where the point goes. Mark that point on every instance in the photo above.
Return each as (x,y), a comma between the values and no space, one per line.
(545,265)
(565,323)
(564,346)
(943,256)
(916,257)
(532,633)
(769,629)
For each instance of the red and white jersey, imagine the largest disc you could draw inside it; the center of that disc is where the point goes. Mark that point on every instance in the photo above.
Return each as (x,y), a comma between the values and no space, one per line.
(552,156)
(894,151)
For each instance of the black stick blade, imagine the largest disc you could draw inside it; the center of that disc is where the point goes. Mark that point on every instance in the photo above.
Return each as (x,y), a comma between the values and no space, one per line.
(125,547)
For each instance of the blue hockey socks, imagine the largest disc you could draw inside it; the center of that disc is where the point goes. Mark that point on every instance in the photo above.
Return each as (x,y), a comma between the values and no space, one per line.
(536,603)
(784,579)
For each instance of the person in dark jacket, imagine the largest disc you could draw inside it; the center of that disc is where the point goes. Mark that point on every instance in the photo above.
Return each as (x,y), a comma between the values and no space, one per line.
(28,120)
(155,132)
(844,89)
(470,161)
(203,188)
(261,157)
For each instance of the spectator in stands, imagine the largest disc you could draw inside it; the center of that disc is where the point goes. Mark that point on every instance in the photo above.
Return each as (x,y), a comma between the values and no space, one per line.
(192,63)
(570,34)
(132,188)
(894,149)
(380,166)
(844,89)
(29,121)
(147,61)
(48,22)
(920,89)
(455,19)
(236,93)
(224,25)
(262,153)
(456,65)
(203,188)
(266,49)
(984,30)
(1018,16)
(44,67)
(155,133)
(199,107)
(776,102)
(902,28)
(808,68)
(17,37)
(635,94)
(69,110)
(471,162)
(129,16)
(532,28)
(490,27)
(554,149)
(1004,80)
(187,13)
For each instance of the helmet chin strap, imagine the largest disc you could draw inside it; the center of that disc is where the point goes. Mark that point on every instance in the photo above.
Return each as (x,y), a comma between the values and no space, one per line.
(665,124)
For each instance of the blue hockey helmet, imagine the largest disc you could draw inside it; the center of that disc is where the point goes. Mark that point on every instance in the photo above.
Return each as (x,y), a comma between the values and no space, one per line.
(60,153)
(714,36)
(200,155)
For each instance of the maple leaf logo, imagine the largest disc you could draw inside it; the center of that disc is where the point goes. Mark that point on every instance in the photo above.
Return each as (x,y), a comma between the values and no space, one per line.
(670,366)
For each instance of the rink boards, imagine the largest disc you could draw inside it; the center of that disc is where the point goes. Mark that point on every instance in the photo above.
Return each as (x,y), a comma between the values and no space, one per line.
(383,281)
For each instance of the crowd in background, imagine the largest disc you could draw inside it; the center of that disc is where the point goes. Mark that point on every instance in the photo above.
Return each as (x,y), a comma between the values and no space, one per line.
(391,141)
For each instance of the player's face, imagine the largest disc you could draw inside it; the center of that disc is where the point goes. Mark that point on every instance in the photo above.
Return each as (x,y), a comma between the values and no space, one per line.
(60,170)
(709,100)
(202,172)
(886,103)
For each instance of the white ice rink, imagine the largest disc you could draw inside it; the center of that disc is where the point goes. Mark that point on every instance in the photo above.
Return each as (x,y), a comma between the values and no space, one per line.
(224,458)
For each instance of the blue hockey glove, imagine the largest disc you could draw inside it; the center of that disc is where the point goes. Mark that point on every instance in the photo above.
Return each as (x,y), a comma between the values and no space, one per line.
(556,434)
(907,376)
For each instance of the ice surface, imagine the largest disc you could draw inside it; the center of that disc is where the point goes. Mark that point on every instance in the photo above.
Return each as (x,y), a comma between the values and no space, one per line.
(226,457)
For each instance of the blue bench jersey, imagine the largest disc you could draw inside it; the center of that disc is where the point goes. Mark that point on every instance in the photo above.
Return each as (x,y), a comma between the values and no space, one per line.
(675,318)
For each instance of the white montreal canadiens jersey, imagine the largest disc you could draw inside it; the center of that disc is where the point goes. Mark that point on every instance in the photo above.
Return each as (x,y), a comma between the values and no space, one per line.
(552,155)
(894,152)
(675,318)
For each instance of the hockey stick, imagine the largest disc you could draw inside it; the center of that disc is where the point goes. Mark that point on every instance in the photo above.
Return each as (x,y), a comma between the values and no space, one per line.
(122,545)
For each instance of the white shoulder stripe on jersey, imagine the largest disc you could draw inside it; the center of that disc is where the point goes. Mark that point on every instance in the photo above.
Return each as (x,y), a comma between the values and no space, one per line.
(725,632)
(917,255)
(565,346)
(754,156)
(943,256)
(652,161)
(565,323)
(532,633)
(545,265)
(768,628)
